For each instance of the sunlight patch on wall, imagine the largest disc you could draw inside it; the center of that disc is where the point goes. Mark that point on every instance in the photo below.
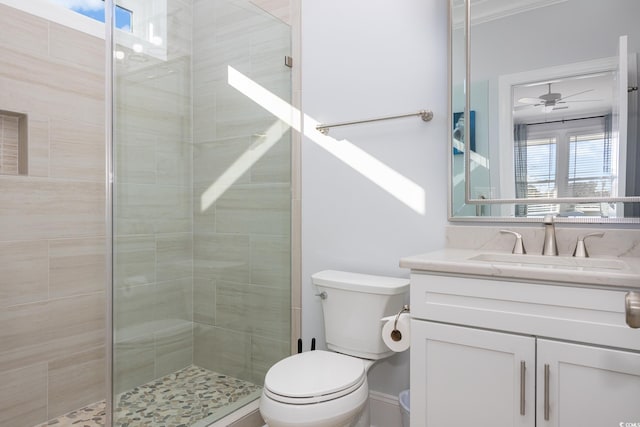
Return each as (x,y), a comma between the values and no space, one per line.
(394,183)
(266,99)
(243,164)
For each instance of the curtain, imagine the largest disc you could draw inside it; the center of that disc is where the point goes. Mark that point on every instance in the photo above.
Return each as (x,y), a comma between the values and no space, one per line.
(520,165)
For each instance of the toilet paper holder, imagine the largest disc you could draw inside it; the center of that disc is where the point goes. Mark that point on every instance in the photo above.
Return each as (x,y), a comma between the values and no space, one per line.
(396,335)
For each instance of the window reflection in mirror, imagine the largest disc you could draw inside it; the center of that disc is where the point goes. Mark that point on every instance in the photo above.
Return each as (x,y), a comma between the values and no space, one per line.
(563,144)
(561,112)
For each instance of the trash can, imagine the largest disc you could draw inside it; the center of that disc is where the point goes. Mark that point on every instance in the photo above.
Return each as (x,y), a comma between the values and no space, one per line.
(404,399)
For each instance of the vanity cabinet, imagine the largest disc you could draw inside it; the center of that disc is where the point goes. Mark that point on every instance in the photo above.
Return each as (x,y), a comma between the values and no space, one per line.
(499,353)
(471,377)
(587,385)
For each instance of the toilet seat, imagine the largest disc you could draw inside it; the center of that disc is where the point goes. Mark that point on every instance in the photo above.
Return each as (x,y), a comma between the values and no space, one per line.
(314,377)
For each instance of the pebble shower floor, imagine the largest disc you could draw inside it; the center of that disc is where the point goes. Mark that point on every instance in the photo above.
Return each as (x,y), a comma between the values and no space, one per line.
(176,400)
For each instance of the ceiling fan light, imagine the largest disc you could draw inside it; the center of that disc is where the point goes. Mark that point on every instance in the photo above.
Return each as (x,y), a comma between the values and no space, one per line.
(551,97)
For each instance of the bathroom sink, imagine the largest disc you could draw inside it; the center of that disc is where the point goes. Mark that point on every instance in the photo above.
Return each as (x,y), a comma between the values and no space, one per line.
(555,262)
(601,271)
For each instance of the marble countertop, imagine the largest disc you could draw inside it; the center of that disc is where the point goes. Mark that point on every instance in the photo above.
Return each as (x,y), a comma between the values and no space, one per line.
(619,272)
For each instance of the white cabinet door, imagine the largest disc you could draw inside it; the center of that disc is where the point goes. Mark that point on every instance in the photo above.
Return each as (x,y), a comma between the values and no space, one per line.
(587,386)
(471,377)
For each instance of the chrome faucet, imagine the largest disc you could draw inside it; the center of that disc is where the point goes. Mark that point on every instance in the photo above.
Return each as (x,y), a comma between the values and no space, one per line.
(518,247)
(581,249)
(550,246)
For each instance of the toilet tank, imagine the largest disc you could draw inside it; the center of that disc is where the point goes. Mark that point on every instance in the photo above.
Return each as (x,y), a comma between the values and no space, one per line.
(353,307)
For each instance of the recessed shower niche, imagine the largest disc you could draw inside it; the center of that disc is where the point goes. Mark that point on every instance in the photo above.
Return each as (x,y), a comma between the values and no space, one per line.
(13,143)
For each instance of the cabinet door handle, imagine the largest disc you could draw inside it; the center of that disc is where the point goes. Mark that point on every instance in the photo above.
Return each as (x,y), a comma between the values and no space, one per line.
(523,369)
(546,392)
(632,309)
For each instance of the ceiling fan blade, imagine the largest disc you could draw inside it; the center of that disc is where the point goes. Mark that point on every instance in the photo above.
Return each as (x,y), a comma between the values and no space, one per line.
(521,107)
(575,94)
(581,100)
(529,101)
(560,108)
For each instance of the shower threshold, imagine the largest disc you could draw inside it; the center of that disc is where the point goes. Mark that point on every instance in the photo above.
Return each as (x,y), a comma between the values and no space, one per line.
(192,397)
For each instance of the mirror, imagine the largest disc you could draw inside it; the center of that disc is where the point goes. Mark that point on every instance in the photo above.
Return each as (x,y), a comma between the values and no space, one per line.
(544,94)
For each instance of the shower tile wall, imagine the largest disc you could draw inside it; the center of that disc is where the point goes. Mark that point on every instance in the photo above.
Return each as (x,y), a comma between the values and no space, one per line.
(153,224)
(241,239)
(52,260)
(224,267)
(281,9)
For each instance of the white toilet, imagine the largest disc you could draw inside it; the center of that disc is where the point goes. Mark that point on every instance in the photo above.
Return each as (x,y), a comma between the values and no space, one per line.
(329,388)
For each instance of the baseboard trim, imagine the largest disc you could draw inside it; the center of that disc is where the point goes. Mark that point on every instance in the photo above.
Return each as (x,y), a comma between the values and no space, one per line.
(384,410)
(383,397)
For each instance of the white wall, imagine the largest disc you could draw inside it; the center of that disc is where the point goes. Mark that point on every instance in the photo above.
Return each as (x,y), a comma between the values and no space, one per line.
(367,59)
(568,32)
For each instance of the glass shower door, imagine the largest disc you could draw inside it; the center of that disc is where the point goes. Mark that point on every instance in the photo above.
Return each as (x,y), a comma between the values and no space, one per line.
(201,214)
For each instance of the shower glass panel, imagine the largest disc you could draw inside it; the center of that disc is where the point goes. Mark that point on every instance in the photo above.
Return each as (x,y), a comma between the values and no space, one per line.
(201,211)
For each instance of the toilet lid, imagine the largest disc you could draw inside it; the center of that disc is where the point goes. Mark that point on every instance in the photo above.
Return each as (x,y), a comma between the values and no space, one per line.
(314,376)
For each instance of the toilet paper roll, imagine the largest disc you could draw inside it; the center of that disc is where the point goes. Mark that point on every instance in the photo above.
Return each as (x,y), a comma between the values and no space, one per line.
(403,327)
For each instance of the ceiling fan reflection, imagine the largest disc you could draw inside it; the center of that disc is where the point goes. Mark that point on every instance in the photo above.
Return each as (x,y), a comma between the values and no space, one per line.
(552,100)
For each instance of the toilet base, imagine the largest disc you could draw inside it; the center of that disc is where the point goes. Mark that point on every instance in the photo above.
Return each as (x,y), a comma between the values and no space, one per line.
(348,411)
(364,420)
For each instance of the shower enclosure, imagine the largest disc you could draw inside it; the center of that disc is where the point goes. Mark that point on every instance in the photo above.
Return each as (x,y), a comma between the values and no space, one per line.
(186,209)
(201,198)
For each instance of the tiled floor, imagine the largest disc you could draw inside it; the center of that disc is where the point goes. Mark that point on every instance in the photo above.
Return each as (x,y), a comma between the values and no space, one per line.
(89,416)
(180,399)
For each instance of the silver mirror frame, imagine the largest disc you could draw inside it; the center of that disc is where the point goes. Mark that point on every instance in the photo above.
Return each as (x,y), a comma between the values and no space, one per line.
(467,158)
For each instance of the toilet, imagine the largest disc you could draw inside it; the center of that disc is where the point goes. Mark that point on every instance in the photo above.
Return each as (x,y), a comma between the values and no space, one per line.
(329,388)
